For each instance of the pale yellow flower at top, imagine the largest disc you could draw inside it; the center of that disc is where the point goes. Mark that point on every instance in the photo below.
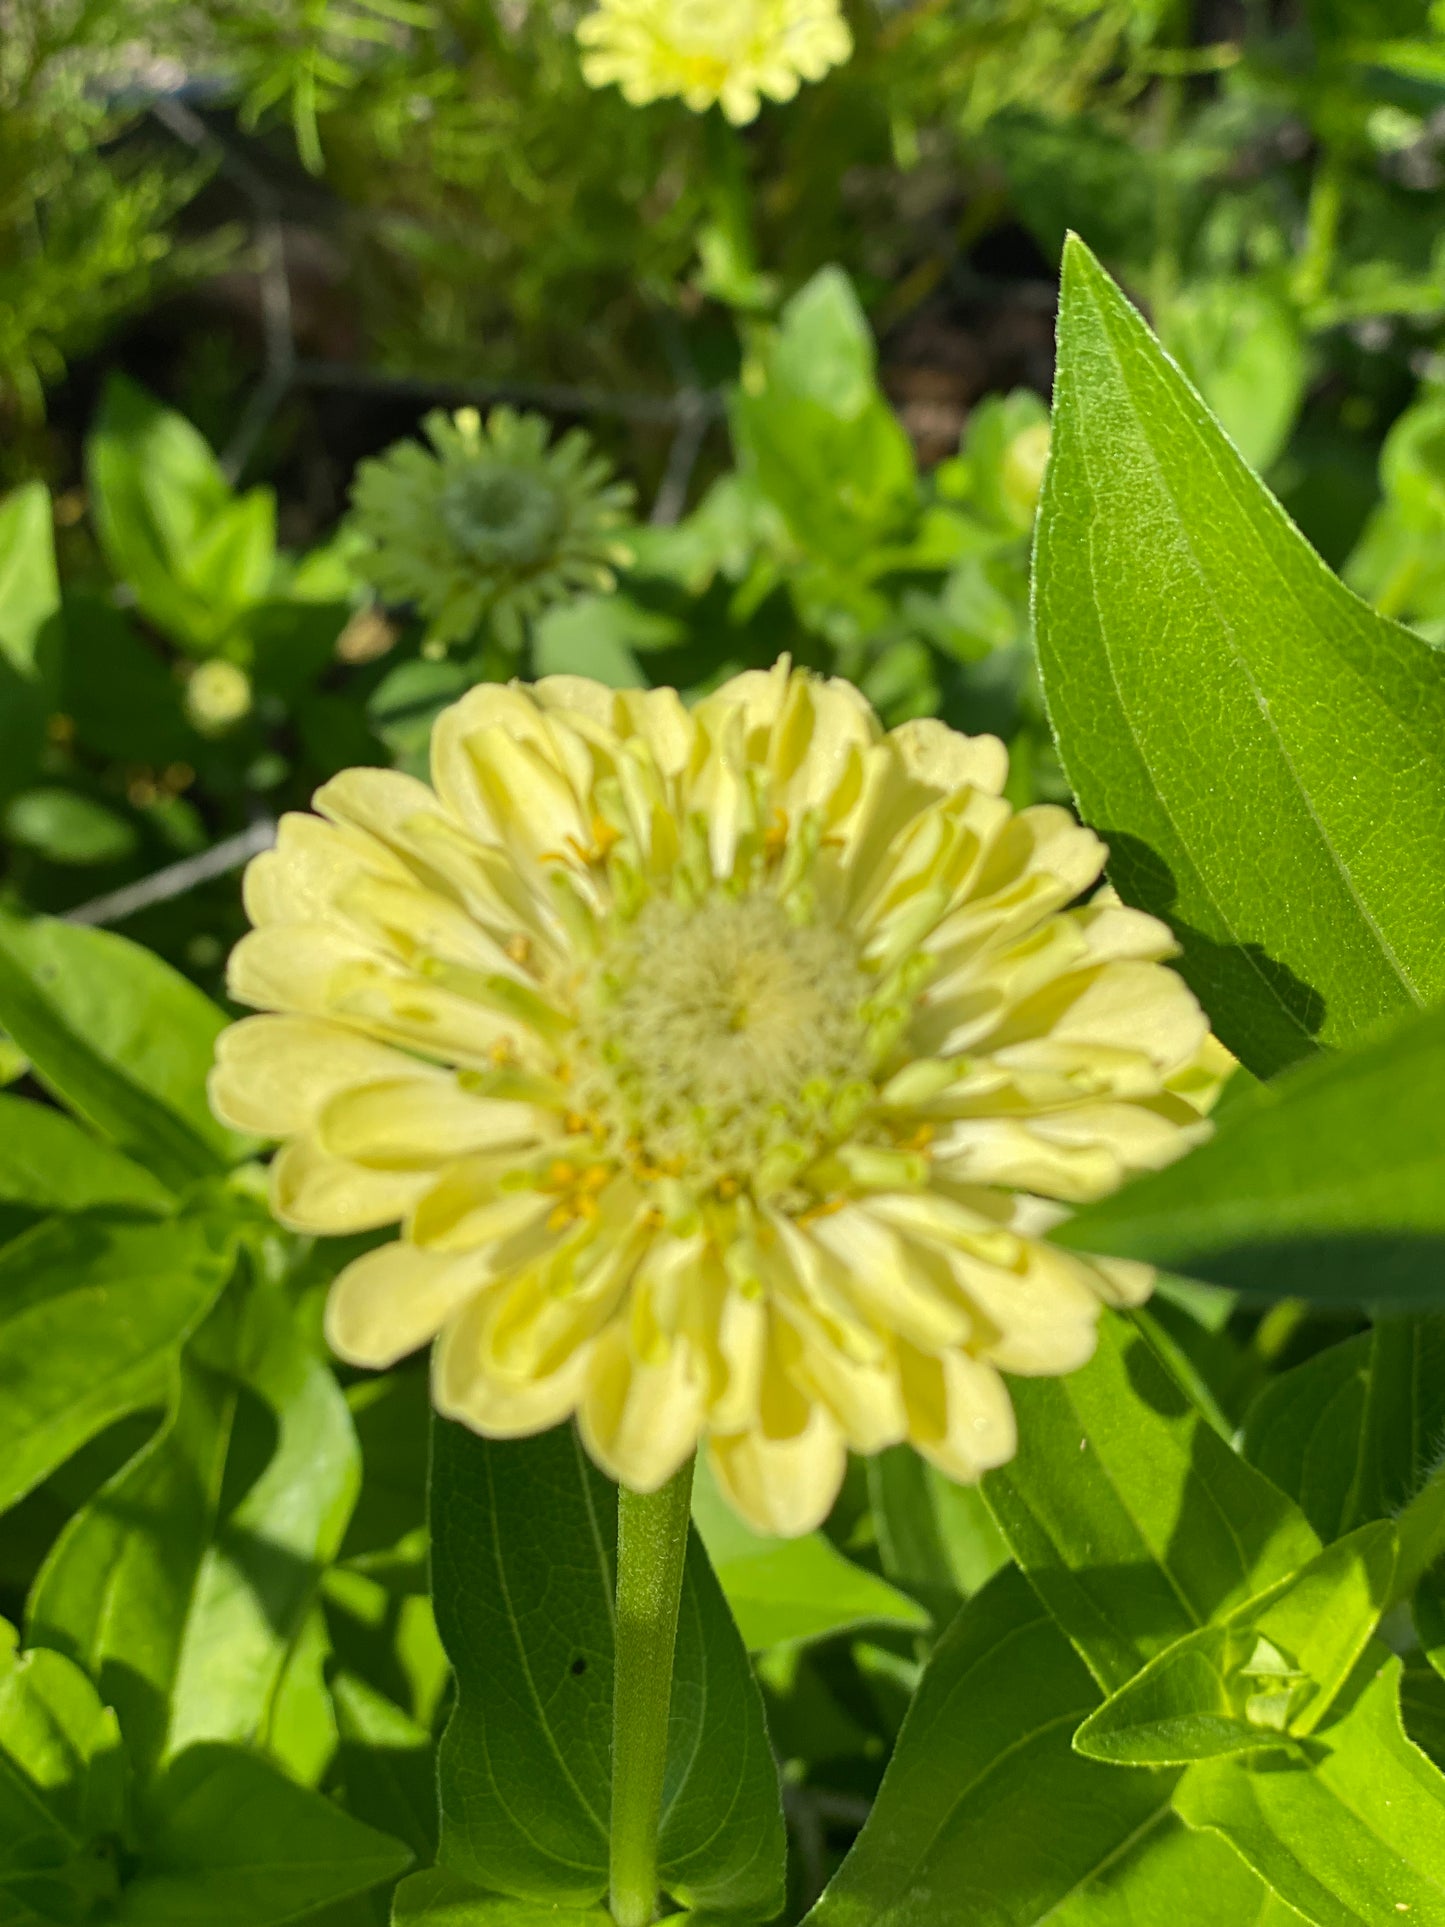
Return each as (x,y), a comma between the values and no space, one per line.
(722,1068)
(731,52)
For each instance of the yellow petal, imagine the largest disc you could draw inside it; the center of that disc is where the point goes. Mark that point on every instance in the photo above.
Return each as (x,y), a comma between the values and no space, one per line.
(384,802)
(934,754)
(1123,1281)
(394,1299)
(297,881)
(782,1486)
(959,1415)
(1122,1006)
(640,1419)
(1075,1154)
(455,735)
(466,1387)
(273,1074)
(313,1191)
(566,694)
(420,1122)
(467,1206)
(323,970)
(861,1393)
(740,1346)
(891,1279)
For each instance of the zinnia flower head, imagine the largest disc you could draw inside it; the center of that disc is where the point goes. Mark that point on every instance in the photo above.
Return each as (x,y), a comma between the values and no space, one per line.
(726,51)
(722,1068)
(489,521)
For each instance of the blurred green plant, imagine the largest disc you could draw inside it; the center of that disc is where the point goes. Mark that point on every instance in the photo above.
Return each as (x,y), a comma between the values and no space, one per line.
(86,216)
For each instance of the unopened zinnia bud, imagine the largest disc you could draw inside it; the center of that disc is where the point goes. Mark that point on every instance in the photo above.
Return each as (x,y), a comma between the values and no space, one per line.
(218,696)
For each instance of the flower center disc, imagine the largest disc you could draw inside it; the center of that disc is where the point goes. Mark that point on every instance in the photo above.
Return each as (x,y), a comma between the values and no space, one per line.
(502,515)
(721,1032)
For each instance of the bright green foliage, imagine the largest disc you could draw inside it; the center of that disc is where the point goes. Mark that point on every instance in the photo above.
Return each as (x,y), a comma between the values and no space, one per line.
(1270,1670)
(1292,1195)
(1134,1521)
(1356,1835)
(1167,567)
(229,1842)
(120,1037)
(1355,1432)
(185,1613)
(94,1316)
(193,555)
(29,640)
(524,1538)
(49,1163)
(983,1761)
(785,1592)
(1396,564)
(1240,343)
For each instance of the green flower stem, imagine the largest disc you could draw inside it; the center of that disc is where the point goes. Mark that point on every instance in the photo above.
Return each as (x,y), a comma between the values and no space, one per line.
(651,1547)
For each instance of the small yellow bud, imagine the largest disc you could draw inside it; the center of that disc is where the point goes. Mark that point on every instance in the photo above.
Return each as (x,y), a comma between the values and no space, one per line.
(218,696)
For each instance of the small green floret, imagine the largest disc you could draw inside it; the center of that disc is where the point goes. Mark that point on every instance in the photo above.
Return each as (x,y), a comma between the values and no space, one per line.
(489,524)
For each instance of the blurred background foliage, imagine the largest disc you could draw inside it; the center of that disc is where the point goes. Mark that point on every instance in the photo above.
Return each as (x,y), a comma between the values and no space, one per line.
(692,396)
(245,248)
(709,393)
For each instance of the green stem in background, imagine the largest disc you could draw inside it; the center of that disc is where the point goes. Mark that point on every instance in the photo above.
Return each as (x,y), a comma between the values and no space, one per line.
(1315,265)
(651,1547)
(726,248)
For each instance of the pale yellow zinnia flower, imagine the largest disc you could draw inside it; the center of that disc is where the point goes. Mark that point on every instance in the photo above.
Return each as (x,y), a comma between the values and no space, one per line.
(726,51)
(722,1068)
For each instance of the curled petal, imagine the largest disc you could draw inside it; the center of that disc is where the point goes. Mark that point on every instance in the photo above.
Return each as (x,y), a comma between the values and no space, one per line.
(394,1299)
(313,1191)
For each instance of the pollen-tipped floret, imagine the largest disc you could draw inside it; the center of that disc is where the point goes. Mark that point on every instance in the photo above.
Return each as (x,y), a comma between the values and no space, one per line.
(722,1068)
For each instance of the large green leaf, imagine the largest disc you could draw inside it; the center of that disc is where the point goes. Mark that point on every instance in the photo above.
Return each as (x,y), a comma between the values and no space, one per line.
(986,1814)
(230,1842)
(1132,1517)
(183,1599)
(1264,754)
(523,1544)
(936,1538)
(1353,1837)
(439,1899)
(194,555)
(1303,1432)
(1354,1433)
(789,1591)
(1291,1196)
(92,1319)
(386,1765)
(1273,1665)
(125,1040)
(48,1163)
